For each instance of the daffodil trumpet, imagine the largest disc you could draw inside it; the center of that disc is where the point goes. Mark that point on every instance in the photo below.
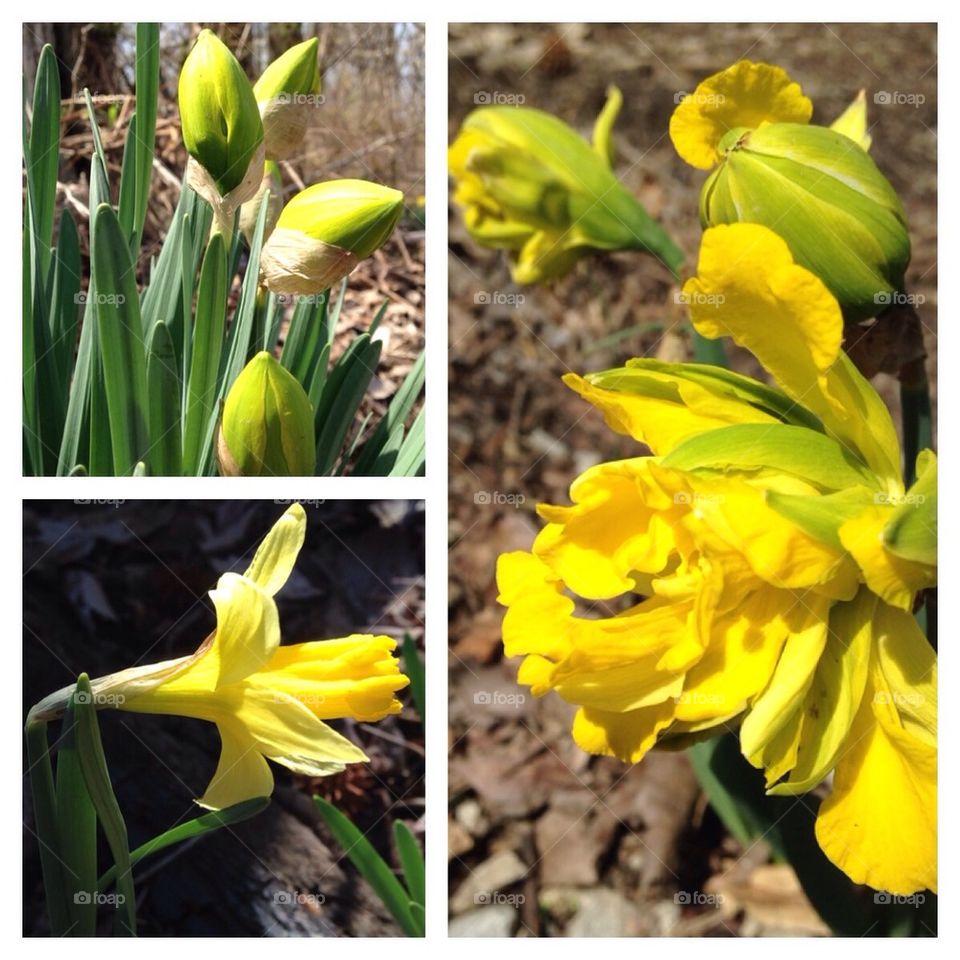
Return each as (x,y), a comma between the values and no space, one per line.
(268,701)
(778,556)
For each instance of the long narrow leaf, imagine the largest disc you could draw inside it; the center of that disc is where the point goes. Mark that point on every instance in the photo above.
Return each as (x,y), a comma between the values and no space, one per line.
(97,778)
(44,158)
(371,865)
(163,392)
(411,859)
(412,455)
(121,343)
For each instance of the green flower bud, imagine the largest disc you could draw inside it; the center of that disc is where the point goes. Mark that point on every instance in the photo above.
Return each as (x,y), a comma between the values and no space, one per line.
(221,124)
(285,93)
(268,425)
(325,231)
(823,194)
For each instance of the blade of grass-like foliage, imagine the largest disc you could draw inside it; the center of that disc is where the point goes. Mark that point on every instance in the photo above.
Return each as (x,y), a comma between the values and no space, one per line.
(341,398)
(147,86)
(369,463)
(303,341)
(75,442)
(64,312)
(419,918)
(163,393)
(411,859)
(208,341)
(32,452)
(206,823)
(413,667)
(77,831)
(370,864)
(120,335)
(411,458)
(352,445)
(43,161)
(45,821)
(97,778)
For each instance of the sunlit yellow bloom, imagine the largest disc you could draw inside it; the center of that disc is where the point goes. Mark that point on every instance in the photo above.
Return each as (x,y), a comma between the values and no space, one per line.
(759,569)
(816,186)
(532,185)
(268,701)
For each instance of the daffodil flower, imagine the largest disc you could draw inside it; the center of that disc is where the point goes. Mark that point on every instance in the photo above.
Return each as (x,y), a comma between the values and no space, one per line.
(779,557)
(531,185)
(816,186)
(268,701)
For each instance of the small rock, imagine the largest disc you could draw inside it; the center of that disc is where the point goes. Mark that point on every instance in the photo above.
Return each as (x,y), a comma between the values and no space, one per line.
(497,920)
(470,816)
(488,881)
(459,840)
(604,913)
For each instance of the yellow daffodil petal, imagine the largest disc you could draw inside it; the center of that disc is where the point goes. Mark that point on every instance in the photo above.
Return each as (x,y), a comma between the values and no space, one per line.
(248,630)
(620,523)
(745,645)
(892,578)
(777,709)
(661,410)
(546,255)
(852,122)
(879,823)
(835,694)
(242,773)
(744,95)
(273,562)
(748,287)
(908,665)
(627,736)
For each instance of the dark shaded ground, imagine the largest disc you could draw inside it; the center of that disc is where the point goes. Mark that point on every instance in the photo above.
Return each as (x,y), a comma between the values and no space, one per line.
(546,840)
(110,586)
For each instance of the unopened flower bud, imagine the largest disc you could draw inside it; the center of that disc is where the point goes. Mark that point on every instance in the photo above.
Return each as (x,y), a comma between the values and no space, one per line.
(325,231)
(285,93)
(268,424)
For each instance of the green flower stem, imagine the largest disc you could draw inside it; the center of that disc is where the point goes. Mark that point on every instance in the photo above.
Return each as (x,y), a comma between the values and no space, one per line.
(708,351)
(915,413)
(45,816)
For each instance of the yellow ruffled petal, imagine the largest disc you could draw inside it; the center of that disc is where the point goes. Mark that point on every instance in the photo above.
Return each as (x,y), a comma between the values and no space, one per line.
(879,823)
(248,630)
(744,95)
(669,411)
(627,736)
(748,287)
(620,523)
(852,122)
(273,562)
(770,731)
(241,773)
(893,578)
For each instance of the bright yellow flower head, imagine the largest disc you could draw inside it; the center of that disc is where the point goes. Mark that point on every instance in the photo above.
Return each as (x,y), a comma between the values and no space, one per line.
(531,185)
(759,568)
(268,701)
